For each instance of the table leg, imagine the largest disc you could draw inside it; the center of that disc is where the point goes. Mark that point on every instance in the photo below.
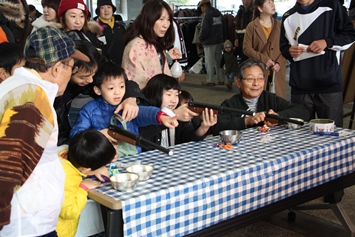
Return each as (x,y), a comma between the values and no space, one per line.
(334,203)
(112,221)
(343,217)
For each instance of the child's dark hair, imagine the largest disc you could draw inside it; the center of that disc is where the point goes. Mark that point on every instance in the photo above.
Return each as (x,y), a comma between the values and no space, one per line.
(186,96)
(153,91)
(107,70)
(90,149)
(11,54)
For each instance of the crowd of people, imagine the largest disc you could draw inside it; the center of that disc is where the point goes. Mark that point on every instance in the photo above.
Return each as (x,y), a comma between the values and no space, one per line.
(72,77)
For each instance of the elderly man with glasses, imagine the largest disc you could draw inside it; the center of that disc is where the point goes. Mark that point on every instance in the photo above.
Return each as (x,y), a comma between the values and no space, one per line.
(251,82)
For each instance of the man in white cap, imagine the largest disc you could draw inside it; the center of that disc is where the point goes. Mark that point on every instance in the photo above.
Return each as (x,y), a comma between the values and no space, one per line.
(31,177)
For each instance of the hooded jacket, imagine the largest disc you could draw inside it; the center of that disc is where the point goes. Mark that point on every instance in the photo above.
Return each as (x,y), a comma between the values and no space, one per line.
(94,30)
(41,22)
(9,14)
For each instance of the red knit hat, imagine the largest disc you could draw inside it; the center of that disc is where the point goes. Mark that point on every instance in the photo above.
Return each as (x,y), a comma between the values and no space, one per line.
(65,5)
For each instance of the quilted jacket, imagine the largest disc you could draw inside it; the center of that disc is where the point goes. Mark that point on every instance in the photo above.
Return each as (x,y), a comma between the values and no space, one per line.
(97,114)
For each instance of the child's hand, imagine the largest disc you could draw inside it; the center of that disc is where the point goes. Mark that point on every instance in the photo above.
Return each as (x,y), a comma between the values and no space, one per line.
(111,139)
(208,118)
(129,107)
(170,122)
(100,172)
(91,184)
(184,114)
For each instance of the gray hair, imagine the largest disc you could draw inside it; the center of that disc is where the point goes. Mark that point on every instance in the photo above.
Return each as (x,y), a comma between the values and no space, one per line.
(250,63)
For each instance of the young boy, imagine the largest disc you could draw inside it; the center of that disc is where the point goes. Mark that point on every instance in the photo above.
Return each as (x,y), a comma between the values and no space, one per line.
(110,85)
(88,153)
(230,62)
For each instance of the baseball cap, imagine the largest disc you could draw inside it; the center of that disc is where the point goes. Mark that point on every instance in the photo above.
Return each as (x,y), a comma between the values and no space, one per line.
(50,46)
(65,5)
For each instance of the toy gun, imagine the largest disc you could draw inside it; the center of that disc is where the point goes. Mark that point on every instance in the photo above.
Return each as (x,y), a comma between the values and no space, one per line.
(121,134)
(199,107)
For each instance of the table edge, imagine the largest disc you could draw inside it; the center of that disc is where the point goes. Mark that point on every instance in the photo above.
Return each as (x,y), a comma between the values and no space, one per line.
(105,200)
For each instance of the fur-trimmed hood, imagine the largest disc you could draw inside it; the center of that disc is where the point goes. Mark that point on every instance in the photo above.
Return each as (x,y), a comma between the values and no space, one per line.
(95,28)
(12,12)
(41,22)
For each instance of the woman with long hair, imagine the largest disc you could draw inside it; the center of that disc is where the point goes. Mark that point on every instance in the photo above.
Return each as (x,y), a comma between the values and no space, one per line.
(151,36)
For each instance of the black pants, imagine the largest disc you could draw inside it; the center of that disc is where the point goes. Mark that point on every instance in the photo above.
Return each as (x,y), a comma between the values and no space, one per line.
(325,106)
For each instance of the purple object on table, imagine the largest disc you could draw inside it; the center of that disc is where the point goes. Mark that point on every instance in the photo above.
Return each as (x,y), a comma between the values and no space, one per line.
(107,179)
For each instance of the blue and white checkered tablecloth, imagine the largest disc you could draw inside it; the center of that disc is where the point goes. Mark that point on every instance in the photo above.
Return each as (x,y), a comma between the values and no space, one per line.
(201,185)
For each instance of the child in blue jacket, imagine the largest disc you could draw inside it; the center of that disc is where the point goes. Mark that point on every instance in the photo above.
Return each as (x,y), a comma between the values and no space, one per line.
(109,84)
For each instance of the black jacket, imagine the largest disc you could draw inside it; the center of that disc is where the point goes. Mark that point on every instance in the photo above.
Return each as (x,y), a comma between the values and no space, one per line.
(184,132)
(323,19)
(211,27)
(244,17)
(266,102)
(114,40)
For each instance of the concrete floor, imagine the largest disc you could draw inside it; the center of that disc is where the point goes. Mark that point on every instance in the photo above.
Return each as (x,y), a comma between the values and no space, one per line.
(308,223)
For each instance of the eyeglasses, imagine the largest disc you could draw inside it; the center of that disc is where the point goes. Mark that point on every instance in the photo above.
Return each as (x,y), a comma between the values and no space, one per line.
(74,69)
(252,79)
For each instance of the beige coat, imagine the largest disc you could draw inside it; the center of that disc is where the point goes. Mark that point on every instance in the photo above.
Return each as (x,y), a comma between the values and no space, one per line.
(257,46)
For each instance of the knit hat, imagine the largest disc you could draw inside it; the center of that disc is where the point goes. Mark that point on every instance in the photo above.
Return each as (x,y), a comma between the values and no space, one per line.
(227,44)
(51,45)
(203,2)
(65,5)
(103,3)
